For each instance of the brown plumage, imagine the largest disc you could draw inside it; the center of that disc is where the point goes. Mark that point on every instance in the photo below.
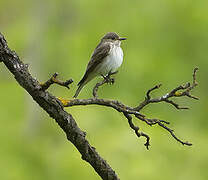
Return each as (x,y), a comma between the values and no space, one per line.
(99,55)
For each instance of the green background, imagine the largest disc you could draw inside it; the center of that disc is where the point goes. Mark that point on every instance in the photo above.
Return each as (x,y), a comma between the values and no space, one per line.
(166,40)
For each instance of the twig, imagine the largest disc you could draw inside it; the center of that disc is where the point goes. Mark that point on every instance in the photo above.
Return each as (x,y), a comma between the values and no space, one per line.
(173,93)
(106,79)
(95,89)
(53,80)
(173,135)
(128,111)
(175,104)
(161,124)
(136,130)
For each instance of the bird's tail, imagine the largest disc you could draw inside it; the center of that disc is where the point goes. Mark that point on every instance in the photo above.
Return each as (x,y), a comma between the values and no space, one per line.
(79,89)
(86,78)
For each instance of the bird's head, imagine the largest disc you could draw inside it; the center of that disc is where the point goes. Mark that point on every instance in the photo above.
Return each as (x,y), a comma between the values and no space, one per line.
(112,37)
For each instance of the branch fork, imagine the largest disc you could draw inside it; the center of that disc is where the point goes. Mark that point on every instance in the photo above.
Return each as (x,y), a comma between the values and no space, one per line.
(106,79)
(54,80)
(128,112)
(54,107)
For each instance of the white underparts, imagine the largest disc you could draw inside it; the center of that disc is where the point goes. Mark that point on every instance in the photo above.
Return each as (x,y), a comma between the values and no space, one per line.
(112,62)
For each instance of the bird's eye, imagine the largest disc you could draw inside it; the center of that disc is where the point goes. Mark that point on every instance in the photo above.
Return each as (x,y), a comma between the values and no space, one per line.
(113,38)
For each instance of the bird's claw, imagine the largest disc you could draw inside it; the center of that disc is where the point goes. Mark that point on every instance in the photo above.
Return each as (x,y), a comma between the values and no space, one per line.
(111,80)
(108,79)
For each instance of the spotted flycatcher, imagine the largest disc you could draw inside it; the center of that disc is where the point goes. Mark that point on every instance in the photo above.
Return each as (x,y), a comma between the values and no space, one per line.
(106,59)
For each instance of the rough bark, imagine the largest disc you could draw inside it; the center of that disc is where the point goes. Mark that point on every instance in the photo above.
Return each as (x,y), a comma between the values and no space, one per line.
(55,110)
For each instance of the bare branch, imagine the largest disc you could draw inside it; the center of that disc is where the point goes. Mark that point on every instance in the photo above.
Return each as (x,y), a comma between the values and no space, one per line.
(55,110)
(175,104)
(128,111)
(136,130)
(54,107)
(161,124)
(95,89)
(147,98)
(53,80)
(173,93)
(106,79)
(152,89)
(173,135)
(103,102)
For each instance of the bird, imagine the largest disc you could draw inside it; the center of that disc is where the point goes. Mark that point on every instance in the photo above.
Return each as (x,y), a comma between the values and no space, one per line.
(105,60)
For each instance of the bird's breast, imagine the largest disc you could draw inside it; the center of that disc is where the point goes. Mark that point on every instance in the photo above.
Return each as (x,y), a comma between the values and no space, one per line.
(111,62)
(115,58)
(117,55)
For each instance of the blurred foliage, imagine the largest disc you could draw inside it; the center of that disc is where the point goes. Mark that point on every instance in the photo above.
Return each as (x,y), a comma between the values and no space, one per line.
(166,40)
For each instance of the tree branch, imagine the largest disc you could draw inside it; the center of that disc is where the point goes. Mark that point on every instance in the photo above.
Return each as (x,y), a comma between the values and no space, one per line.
(54,107)
(176,92)
(106,79)
(54,80)
(182,90)
(55,110)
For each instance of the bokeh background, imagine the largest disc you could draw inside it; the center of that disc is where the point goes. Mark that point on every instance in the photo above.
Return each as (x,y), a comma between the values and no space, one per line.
(166,40)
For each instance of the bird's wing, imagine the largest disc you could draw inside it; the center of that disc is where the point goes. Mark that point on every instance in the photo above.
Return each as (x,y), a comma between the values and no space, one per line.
(100,52)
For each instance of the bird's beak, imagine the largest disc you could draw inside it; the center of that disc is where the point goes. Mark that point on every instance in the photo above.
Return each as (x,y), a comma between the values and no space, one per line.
(121,39)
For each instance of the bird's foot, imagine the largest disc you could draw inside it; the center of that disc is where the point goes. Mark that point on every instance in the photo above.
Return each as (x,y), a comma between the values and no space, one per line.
(108,79)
